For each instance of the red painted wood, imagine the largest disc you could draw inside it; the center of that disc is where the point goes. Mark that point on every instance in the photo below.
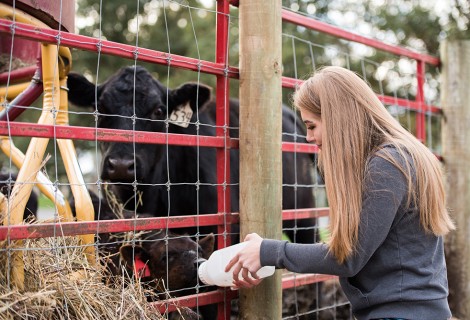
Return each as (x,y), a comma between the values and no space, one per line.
(403,103)
(114,48)
(201,299)
(221,295)
(421,115)
(17,75)
(323,27)
(52,12)
(41,230)
(23,129)
(297,280)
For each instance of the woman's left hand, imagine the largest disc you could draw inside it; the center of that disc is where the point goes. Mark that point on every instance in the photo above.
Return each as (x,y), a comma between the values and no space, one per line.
(247,261)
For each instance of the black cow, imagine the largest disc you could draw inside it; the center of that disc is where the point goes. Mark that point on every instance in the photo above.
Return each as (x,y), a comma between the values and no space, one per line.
(171,179)
(7,181)
(170,261)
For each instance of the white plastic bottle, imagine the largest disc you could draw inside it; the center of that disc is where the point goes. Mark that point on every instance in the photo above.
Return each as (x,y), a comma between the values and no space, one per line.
(212,271)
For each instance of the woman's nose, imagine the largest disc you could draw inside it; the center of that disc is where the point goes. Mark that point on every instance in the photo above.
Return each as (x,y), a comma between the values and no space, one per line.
(310,138)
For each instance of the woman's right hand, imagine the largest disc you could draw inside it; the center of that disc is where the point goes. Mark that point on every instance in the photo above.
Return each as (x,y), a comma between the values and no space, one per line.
(248,262)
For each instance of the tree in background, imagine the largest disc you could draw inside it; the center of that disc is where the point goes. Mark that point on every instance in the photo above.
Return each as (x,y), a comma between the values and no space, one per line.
(188,28)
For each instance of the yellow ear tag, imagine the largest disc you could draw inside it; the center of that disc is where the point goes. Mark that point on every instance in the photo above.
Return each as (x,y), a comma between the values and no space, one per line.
(181,116)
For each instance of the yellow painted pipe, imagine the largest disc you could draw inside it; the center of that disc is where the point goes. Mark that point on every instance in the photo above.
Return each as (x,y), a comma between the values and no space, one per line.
(3,205)
(44,184)
(34,155)
(56,63)
(12,91)
(83,204)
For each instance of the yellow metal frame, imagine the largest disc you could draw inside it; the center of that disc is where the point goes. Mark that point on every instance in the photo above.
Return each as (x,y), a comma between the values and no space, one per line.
(56,63)
(12,91)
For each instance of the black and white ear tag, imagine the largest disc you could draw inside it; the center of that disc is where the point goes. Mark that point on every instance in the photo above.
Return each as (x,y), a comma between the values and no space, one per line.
(181,115)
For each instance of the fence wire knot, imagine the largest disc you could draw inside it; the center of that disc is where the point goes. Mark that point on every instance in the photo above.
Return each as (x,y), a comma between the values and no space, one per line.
(95,115)
(98,46)
(54,112)
(10,183)
(57,38)
(55,184)
(5,105)
(13,28)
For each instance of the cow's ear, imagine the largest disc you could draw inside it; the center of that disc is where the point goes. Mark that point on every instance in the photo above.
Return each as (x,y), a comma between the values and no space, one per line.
(195,94)
(81,91)
(136,259)
(207,244)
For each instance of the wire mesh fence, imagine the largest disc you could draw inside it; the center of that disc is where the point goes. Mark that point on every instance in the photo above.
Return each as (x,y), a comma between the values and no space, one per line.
(143,164)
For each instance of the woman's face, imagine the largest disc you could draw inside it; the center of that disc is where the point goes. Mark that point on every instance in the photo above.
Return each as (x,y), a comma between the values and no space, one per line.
(314,127)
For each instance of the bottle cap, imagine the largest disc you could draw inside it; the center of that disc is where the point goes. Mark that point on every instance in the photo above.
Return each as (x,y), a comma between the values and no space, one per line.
(202,272)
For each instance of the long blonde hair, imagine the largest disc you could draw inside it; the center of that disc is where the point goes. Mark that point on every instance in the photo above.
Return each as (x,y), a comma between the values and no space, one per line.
(355,125)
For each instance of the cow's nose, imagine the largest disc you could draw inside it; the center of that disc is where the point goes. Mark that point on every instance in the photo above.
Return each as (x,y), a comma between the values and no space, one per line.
(120,169)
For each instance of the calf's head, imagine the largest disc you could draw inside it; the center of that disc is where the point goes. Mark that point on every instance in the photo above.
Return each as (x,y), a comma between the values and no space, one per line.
(132,99)
(174,260)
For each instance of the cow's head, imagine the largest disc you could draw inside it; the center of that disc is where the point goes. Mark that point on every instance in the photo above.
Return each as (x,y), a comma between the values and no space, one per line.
(174,259)
(133,100)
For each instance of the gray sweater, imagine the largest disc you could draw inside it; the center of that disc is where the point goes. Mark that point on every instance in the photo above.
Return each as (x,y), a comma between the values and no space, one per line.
(397,271)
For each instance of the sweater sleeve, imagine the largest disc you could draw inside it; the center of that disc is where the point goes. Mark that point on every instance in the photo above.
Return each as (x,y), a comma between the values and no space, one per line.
(385,191)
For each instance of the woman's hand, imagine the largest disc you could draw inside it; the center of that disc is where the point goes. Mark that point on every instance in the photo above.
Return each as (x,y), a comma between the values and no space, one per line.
(247,261)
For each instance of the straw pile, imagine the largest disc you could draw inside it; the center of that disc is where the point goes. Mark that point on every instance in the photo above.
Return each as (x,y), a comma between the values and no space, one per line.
(60,284)
(6,60)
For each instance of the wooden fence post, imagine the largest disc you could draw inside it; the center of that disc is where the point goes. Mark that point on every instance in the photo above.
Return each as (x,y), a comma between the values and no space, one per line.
(455,97)
(260,142)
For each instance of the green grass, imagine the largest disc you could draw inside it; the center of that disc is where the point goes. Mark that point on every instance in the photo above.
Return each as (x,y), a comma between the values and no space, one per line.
(324,235)
(44,202)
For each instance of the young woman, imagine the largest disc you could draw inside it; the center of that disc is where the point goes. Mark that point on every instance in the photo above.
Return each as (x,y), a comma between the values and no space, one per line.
(387,207)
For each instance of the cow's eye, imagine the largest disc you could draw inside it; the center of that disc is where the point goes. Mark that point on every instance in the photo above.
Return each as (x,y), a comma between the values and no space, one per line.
(167,259)
(158,113)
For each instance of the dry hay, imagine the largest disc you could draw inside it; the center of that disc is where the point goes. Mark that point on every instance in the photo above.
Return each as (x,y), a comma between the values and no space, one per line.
(60,284)
(13,63)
